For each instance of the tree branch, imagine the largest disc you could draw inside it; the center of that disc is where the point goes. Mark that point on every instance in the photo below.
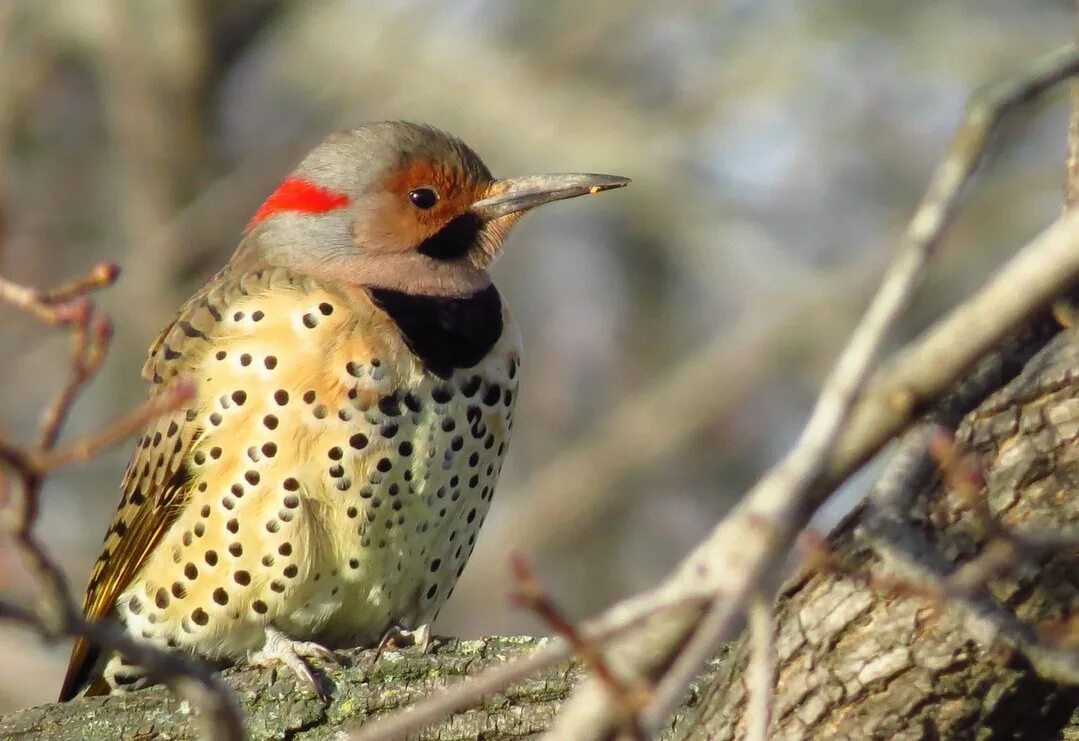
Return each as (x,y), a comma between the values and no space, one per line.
(737,556)
(277,705)
(55,614)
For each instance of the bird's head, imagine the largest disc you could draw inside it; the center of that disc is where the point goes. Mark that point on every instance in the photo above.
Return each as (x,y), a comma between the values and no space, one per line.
(401,206)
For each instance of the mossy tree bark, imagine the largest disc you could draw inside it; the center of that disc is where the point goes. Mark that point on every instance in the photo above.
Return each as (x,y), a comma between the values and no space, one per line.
(275,705)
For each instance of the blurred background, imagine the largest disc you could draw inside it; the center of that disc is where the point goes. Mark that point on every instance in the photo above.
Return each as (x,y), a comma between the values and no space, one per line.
(675,332)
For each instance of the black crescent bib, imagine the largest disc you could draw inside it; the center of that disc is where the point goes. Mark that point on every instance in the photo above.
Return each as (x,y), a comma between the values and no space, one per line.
(445,333)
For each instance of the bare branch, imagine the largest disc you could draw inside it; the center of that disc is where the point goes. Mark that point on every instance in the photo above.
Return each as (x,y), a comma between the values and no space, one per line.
(61,305)
(474,689)
(89,345)
(579,484)
(55,614)
(630,696)
(760,676)
(83,449)
(102,275)
(740,560)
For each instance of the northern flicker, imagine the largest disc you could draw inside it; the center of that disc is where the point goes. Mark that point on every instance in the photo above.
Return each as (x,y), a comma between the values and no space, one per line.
(356,375)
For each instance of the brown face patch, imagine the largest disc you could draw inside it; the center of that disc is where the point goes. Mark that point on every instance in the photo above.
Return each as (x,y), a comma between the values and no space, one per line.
(391,222)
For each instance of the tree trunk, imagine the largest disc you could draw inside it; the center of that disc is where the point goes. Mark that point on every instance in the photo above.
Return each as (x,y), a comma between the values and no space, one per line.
(854,661)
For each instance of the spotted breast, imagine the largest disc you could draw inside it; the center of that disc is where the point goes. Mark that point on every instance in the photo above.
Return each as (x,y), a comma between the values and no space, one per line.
(342,457)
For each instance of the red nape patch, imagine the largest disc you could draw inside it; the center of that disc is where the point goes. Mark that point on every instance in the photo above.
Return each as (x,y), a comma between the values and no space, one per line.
(296,194)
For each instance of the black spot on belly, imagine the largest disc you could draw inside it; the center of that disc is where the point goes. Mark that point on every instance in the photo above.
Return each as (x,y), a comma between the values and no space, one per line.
(445,333)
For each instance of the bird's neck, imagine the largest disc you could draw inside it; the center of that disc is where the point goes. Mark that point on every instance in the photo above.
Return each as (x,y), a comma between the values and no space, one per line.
(405,272)
(410,273)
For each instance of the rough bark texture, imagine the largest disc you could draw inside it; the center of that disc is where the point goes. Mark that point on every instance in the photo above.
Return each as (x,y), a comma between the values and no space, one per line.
(854,662)
(276,706)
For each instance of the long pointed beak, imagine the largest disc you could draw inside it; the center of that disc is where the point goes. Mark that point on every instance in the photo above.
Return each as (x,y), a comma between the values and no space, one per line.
(511,195)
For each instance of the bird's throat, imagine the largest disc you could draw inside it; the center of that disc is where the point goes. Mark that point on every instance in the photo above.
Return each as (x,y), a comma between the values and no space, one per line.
(446,333)
(453,240)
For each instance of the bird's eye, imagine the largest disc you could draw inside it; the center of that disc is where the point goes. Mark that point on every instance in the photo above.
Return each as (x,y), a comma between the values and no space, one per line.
(423,198)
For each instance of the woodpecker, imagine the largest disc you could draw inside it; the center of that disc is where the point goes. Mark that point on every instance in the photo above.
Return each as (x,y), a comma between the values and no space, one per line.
(356,375)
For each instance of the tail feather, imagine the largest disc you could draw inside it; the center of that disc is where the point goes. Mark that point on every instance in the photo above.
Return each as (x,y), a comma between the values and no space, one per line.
(84,672)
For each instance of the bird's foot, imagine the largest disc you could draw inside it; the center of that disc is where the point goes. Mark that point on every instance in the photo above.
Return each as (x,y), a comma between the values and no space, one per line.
(279,648)
(398,637)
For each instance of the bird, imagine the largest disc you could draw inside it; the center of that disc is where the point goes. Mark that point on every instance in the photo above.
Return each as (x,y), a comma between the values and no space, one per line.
(356,372)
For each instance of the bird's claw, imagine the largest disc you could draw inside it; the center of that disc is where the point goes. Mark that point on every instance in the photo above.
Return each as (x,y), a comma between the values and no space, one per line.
(398,637)
(279,648)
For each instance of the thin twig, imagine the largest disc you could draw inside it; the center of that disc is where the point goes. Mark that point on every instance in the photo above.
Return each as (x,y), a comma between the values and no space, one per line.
(1003,548)
(1048,648)
(187,678)
(55,613)
(89,346)
(64,304)
(474,689)
(919,571)
(790,493)
(85,448)
(961,472)
(630,696)
(102,275)
(760,672)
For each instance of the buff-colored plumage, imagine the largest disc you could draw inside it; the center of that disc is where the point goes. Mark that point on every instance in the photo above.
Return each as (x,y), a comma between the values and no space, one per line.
(320,481)
(355,373)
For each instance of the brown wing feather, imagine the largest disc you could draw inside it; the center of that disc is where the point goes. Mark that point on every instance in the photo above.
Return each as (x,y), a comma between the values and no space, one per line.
(154,486)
